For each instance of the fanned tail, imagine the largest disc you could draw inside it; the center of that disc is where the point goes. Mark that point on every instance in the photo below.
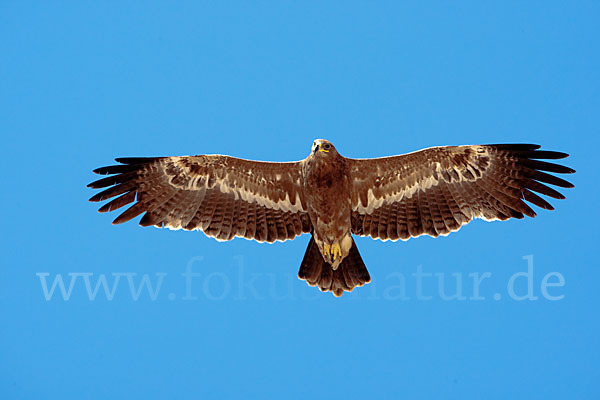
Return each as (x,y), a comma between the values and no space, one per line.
(317,272)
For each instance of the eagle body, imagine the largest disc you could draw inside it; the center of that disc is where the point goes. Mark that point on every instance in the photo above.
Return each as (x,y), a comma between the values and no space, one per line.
(432,192)
(327,192)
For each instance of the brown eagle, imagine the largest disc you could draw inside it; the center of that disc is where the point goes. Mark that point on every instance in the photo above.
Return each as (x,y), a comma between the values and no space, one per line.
(429,192)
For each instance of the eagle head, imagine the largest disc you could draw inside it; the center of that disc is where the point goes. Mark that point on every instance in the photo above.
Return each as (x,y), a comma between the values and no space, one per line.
(322,147)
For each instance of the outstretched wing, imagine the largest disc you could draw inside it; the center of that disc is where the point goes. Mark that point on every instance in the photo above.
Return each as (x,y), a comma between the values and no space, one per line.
(223,196)
(437,190)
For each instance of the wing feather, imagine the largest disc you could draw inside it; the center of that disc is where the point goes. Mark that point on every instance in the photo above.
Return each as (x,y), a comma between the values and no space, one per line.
(437,190)
(223,196)
(119,202)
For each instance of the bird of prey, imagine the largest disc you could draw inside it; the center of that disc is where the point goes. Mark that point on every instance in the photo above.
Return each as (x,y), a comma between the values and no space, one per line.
(428,192)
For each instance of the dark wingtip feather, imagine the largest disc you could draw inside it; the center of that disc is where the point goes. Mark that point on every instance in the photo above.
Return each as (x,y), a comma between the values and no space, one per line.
(118,202)
(516,146)
(95,198)
(541,188)
(547,178)
(115,169)
(119,220)
(532,176)
(546,166)
(537,200)
(95,185)
(130,213)
(147,220)
(545,154)
(111,180)
(136,160)
(530,213)
(104,208)
(565,184)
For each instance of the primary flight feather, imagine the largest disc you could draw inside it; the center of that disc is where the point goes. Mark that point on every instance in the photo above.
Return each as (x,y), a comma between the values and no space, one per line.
(432,191)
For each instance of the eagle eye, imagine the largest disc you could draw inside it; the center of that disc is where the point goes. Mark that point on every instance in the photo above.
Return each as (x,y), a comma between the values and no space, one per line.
(327,146)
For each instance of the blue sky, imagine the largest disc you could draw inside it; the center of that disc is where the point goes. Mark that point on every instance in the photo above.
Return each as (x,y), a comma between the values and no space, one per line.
(84,82)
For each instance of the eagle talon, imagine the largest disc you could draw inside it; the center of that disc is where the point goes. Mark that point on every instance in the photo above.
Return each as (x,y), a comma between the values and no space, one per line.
(336,250)
(326,249)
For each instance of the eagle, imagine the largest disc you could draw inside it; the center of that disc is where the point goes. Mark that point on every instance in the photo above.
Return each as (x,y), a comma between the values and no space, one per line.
(431,192)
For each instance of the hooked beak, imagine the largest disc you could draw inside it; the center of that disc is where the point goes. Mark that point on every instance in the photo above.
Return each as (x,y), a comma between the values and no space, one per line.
(321,148)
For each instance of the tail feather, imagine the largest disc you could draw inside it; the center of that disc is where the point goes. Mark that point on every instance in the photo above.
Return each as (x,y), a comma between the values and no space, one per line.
(348,275)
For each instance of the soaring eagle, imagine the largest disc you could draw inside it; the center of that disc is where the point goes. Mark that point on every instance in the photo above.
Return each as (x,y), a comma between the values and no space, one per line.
(429,192)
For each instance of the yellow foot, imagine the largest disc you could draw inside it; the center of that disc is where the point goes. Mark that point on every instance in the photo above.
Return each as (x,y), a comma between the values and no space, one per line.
(326,249)
(330,251)
(336,250)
